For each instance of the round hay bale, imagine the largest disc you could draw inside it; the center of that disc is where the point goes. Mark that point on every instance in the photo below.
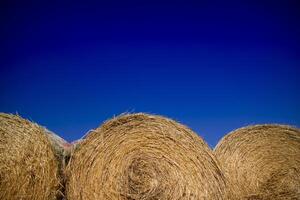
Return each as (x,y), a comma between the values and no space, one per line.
(140,156)
(262,161)
(29,169)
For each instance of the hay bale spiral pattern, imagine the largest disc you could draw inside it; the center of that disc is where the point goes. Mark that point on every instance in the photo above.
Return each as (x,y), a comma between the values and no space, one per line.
(141,156)
(29,168)
(262,161)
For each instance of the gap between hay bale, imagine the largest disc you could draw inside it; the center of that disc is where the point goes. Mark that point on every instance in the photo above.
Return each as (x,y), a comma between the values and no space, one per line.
(140,156)
(262,162)
(62,151)
(29,164)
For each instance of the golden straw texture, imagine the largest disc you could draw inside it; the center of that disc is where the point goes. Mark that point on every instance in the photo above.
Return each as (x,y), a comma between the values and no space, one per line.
(28,165)
(140,156)
(262,161)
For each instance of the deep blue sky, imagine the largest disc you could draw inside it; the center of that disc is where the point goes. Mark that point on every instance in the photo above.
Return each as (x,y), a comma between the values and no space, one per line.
(214,66)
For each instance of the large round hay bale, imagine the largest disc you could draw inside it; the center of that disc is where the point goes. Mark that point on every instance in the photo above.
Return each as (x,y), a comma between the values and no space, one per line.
(29,169)
(262,161)
(140,156)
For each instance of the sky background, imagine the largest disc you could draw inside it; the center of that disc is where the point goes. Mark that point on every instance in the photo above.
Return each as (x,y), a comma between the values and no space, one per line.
(212,65)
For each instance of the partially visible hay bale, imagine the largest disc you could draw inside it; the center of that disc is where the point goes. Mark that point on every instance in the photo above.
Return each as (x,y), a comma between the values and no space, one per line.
(140,156)
(29,169)
(262,161)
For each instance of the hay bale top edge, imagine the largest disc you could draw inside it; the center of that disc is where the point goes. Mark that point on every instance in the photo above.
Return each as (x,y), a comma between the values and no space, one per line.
(127,118)
(258,128)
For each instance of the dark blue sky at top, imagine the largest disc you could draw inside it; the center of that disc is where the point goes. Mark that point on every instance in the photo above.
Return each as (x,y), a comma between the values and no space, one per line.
(212,65)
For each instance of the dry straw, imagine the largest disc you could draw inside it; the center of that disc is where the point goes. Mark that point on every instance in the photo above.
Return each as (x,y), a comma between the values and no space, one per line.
(29,169)
(140,156)
(262,162)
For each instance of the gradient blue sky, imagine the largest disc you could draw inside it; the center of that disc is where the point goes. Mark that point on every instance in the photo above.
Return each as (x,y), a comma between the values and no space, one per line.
(212,65)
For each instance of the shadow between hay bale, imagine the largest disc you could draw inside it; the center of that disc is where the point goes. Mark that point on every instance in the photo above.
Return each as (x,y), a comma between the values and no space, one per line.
(140,156)
(262,162)
(29,165)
